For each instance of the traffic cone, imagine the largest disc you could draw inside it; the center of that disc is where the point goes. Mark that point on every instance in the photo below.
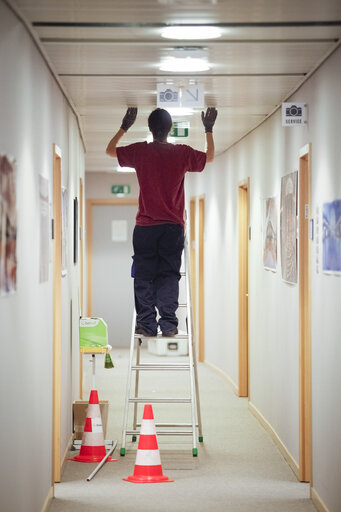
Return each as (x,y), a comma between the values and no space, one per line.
(148,468)
(93,447)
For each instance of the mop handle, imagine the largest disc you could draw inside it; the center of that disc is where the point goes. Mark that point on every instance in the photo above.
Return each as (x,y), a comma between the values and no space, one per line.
(97,468)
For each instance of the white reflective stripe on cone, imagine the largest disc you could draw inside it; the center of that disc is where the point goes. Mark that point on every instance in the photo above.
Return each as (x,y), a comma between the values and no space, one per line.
(93,439)
(148,458)
(93,411)
(148,428)
(96,424)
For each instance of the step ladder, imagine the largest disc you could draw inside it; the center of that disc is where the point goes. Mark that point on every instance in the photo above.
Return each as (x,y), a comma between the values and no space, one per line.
(194,428)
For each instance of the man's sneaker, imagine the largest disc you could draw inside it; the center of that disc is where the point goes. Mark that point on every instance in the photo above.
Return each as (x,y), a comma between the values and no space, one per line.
(144,332)
(171,333)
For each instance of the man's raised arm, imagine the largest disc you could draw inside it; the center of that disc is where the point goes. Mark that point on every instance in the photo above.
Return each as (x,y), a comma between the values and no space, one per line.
(127,122)
(208,120)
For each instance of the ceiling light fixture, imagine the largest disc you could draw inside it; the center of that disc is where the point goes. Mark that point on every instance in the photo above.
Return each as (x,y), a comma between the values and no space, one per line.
(184,65)
(190,32)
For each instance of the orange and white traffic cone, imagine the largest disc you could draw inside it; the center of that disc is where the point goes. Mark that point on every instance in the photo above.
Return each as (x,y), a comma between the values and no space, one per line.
(93,447)
(148,467)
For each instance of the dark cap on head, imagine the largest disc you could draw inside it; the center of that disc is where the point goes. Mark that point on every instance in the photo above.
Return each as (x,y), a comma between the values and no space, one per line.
(160,123)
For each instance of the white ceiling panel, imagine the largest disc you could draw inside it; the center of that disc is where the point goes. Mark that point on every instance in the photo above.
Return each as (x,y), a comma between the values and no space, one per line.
(107,55)
(152,34)
(179,11)
(121,59)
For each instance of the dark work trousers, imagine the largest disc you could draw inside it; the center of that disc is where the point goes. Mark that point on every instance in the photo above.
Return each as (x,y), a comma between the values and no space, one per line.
(157,262)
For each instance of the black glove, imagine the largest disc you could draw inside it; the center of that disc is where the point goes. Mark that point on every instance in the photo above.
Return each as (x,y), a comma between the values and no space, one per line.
(129,118)
(209,118)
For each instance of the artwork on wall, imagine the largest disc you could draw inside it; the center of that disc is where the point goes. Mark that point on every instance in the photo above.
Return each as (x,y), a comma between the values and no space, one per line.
(270,234)
(8,226)
(75,230)
(331,237)
(64,230)
(44,229)
(288,227)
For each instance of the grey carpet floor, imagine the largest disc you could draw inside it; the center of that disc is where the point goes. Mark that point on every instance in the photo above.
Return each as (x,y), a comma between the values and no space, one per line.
(238,468)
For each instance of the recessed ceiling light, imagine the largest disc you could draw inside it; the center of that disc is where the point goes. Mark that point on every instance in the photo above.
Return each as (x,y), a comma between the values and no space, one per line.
(186,65)
(190,32)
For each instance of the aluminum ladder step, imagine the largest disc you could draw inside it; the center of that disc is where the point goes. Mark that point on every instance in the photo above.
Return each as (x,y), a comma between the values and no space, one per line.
(139,400)
(160,367)
(163,432)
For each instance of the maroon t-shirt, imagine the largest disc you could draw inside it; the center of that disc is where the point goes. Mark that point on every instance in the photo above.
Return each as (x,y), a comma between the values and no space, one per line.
(160,169)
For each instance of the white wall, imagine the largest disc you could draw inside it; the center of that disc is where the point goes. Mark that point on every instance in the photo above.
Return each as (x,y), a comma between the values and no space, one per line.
(266,155)
(34,115)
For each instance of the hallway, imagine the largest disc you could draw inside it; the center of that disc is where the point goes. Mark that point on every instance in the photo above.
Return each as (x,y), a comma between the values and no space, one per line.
(238,469)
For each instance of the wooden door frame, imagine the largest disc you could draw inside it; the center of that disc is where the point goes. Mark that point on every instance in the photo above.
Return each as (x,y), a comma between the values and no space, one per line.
(193,261)
(89,205)
(201,278)
(305,370)
(81,237)
(57,315)
(243,288)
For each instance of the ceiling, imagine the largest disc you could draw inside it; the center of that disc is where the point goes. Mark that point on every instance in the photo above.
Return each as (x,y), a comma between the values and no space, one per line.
(107,55)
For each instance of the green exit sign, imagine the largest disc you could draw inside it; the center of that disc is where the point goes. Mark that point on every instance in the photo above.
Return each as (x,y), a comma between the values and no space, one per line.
(120,189)
(180,129)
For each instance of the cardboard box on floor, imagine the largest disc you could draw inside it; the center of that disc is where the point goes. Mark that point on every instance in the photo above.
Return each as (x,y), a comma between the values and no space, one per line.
(79,408)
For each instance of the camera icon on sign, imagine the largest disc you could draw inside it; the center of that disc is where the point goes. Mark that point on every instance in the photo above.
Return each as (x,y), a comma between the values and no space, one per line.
(293,111)
(168,95)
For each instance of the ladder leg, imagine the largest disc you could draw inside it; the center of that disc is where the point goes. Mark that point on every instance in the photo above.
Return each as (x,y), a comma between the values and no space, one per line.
(197,394)
(137,377)
(125,416)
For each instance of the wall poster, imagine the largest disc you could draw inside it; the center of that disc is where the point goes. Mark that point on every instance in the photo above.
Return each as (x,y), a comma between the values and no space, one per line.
(64,229)
(270,234)
(331,237)
(8,226)
(288,227)
(44,229)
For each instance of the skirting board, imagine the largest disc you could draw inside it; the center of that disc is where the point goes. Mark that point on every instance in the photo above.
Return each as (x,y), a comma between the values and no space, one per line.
(318,502)
(223,374)
(48,500)
(66,453)
(282,448)
(50,495)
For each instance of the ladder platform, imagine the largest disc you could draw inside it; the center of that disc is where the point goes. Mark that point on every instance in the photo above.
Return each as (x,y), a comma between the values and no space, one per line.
(163,432)
(163,425)
(159,336)
(161,366)
(160,400)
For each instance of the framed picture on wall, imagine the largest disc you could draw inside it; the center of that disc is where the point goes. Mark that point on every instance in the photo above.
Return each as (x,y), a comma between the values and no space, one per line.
(64,230)
(75,230)
(288,227)
(331,237)
(270,234)
(8,226)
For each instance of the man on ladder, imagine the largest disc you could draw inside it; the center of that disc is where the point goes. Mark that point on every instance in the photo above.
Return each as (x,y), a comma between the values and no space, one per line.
(158,237)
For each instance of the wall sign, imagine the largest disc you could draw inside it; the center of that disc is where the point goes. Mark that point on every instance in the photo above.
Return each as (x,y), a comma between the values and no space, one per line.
(294,114)
(170,96)
(193,96)
(120,189)
(180,129)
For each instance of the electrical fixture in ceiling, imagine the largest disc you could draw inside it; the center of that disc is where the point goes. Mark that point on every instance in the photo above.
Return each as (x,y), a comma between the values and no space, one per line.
(185,60)
(184,32)
(187,65)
